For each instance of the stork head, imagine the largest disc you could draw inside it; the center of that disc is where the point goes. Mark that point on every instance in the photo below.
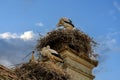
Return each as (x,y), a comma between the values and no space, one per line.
(45,48)
(62,21)
(48,47)
(33,52)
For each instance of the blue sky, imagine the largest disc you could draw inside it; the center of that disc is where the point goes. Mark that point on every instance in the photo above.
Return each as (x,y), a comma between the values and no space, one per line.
(22,20)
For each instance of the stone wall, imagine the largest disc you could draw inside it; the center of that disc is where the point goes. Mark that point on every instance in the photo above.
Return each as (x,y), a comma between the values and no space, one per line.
(78,67)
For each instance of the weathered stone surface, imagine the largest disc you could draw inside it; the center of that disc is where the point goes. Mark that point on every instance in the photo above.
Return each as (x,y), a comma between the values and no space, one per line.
(78,67)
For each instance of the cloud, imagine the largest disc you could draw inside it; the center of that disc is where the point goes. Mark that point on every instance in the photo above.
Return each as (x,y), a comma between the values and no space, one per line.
(116,5)
(28,35)
(114,11)
(109,42)
(8,35)
(108,45)
(40,24)
(14,47)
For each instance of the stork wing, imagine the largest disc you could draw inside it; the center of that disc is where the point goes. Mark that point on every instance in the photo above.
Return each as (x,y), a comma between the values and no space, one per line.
(57,55)
(69,23)
(53,51)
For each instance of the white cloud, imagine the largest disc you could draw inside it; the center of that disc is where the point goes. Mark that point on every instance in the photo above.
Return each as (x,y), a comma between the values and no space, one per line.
(15,46)
(13,50)
(108,45)
(39,24)
(114,10)
(116,5)
(27,35)
(108,42)
(8,35)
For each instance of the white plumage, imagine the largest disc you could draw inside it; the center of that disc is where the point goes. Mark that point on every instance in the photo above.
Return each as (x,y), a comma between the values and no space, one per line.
(32,57)
(51,54)
(66,23)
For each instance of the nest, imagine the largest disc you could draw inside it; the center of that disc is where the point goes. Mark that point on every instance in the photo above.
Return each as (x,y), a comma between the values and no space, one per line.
(41,71)
(74,39)
(7,74)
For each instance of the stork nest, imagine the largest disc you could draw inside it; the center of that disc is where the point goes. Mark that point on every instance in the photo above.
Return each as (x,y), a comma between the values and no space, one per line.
(41,71)
(7,74)
(74,39)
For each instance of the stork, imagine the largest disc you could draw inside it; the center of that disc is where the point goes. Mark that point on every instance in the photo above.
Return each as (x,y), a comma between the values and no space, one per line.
(51,54)
(66,23)
(32,57)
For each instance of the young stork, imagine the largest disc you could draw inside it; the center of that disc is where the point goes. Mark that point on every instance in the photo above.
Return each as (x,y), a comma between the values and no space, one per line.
(51,54)
(66,23)
(32,57)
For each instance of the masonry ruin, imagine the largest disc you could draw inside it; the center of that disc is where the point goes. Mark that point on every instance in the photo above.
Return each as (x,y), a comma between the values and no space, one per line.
(74,46)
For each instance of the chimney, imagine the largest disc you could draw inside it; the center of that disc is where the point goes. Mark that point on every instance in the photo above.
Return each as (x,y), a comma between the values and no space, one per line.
(75,47)
(78,67)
